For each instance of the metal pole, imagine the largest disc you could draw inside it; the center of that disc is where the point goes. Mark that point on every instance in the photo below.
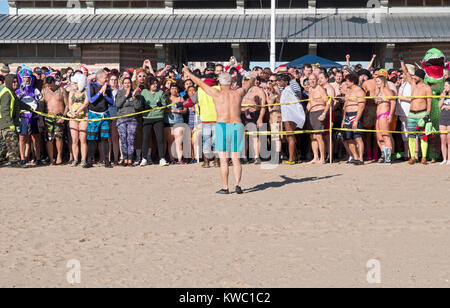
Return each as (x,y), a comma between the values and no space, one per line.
(272,36)
(331,132)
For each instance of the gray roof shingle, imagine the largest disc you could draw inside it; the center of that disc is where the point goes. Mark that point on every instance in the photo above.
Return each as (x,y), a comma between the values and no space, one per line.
(222,28)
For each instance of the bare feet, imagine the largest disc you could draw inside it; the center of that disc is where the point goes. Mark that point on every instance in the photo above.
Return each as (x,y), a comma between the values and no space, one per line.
(313,162)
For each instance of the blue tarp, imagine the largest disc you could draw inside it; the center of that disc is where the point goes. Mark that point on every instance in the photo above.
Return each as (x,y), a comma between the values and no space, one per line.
(325,63)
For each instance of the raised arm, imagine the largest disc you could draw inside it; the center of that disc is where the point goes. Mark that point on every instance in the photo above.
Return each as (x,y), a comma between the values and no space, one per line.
(148,63)
(347,58)
(209,90)
(369,66)
(92,96)
(406,72)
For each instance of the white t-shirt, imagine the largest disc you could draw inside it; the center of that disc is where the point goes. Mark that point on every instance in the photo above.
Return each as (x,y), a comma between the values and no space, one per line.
(403,106)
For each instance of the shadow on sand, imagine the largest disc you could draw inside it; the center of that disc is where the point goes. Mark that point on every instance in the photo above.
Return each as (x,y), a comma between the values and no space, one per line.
(286,181)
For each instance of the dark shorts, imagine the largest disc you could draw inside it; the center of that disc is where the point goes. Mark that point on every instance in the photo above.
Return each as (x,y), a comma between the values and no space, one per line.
(29,127)
(53,129)
(445,118)
(250,117)
(313,121)
(349,120)
(100,129)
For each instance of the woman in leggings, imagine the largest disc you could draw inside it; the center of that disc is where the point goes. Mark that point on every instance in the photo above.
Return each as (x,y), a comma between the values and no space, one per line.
(128,101)
(153,121)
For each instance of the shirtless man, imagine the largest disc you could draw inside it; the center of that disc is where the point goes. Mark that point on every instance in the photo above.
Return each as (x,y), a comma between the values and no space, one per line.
(54,101)
(420,109)
(230,130)
(252,118)
(317,108)
(337,84)
(323,82)
(353,112)
(307,71)
(369,119)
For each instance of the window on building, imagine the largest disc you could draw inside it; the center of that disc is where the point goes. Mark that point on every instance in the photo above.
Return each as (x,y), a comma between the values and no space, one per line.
(130,4)
(341,3)
(282,4)
(63,51)
(8,51)
(46,51)
(204,4)
(27,50)
(19,52)
(45,4)
(412,3)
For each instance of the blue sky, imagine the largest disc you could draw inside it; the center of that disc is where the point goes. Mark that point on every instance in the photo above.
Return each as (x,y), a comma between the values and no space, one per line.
(4,7)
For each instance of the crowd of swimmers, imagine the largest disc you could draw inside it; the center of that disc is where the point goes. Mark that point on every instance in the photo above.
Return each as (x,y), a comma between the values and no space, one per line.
(140,117)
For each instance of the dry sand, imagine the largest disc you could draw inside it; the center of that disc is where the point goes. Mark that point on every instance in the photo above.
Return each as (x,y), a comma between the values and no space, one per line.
(296,226)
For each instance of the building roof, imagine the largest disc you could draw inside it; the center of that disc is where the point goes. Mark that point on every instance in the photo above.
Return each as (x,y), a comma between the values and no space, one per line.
(67,29)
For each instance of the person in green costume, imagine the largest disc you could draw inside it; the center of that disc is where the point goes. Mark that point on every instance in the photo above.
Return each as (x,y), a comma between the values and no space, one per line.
(433,64)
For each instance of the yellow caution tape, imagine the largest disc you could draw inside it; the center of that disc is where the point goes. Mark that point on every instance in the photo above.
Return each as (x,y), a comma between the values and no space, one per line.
(284,133)
(246,105)
(387,131)
(53,116)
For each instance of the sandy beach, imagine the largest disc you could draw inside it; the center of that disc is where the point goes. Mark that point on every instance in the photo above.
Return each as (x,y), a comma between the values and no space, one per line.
(295,226)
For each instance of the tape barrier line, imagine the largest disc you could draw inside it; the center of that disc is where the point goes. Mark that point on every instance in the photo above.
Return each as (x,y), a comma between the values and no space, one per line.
(386,131)
(283,133)
(344,97)
(52,116)
(297,132)
(330,99)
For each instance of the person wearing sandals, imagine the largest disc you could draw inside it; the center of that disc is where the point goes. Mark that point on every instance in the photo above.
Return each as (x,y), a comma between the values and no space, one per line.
(78,103)
(128,101)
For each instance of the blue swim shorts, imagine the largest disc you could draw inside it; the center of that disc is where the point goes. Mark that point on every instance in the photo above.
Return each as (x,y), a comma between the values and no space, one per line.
(230,137)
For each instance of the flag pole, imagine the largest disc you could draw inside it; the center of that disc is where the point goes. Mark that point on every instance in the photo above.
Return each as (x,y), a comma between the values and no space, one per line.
(272,36)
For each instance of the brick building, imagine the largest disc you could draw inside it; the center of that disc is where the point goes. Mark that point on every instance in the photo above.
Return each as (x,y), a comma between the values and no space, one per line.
(122,33)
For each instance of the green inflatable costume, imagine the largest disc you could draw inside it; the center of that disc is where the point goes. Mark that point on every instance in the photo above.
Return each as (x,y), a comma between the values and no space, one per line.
(433,64)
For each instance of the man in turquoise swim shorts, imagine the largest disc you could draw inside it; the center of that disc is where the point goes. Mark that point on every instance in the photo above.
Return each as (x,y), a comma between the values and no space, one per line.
(230,133)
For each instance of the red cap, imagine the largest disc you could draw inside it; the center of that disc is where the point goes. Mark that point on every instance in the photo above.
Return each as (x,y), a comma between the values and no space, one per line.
(84,69)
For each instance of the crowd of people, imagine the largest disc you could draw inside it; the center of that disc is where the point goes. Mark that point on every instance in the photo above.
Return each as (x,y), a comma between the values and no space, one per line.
(140,117)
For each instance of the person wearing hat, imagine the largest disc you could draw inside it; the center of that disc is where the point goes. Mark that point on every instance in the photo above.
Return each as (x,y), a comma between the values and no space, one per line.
(420,110)
(5,70)
(39,78)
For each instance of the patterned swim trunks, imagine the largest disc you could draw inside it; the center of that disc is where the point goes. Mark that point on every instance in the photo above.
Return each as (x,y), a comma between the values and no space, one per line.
(99,129)
(53,129)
